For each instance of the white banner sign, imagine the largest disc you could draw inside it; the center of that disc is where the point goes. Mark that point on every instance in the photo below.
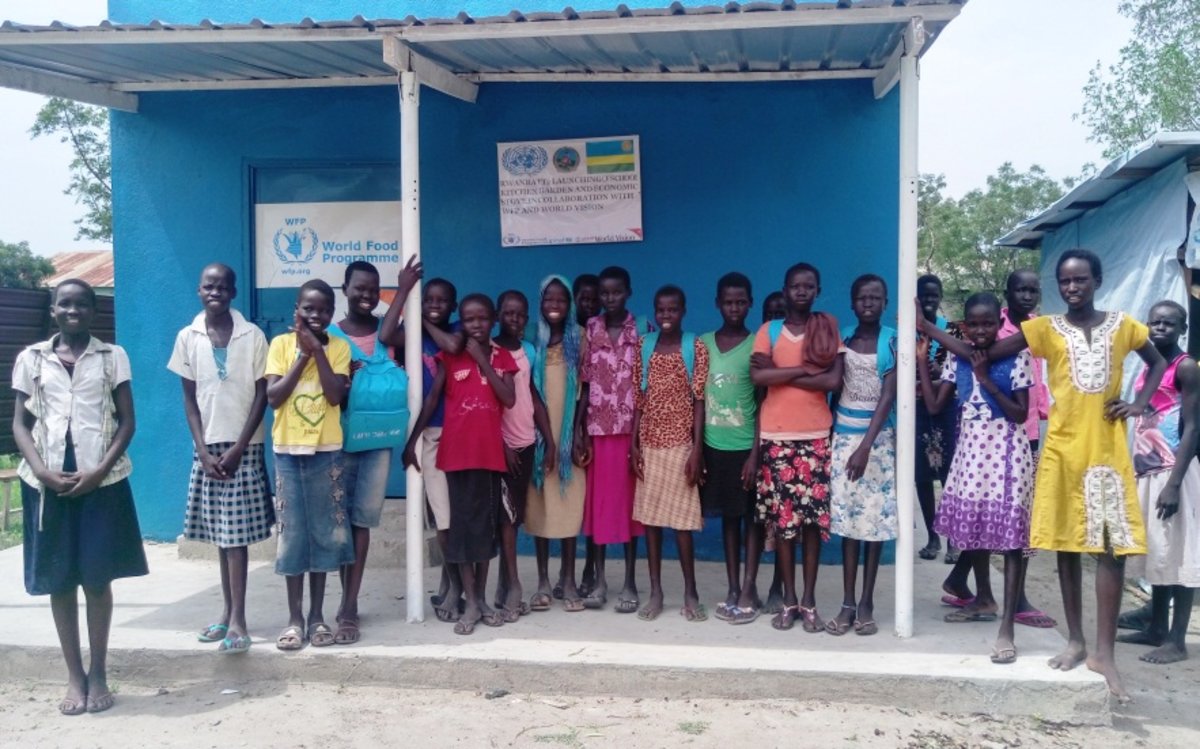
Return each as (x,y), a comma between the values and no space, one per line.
(297,242)
(570,191)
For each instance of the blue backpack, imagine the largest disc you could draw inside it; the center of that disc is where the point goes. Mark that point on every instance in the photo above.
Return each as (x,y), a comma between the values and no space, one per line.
(687,347)
(376,413)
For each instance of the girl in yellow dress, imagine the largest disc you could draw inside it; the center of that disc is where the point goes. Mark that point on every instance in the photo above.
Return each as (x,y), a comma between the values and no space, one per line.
(1085,498)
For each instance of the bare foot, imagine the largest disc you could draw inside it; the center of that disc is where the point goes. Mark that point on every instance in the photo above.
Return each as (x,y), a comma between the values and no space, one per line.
(75,701)
(1068,659)
(1108,669)
(1170,652)
(1142,638)
(774,602)
(962,592)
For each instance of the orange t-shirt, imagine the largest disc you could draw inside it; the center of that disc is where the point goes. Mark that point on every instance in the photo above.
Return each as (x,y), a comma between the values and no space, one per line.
(791,413)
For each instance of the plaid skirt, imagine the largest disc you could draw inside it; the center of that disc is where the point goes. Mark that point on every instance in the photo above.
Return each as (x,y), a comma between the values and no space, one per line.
(234,512)
(664,498)
(793,486)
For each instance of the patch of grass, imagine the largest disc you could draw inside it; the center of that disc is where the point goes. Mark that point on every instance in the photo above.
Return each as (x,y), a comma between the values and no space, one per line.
(693,727)
(566,738)
(12,535)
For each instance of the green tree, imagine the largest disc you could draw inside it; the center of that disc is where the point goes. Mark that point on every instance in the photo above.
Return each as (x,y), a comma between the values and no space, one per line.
(85,128)
(20,268)
(1154,85)
(955,238)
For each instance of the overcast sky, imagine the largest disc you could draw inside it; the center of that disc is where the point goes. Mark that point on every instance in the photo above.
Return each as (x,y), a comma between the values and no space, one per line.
(1002,85)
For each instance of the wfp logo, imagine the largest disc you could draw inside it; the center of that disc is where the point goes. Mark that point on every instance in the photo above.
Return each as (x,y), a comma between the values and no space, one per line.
(294,242)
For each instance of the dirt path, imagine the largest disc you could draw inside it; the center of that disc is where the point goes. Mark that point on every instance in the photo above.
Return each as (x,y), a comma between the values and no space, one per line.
(199,714)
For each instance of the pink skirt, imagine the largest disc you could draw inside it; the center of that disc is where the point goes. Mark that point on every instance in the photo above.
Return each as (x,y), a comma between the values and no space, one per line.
(608,507)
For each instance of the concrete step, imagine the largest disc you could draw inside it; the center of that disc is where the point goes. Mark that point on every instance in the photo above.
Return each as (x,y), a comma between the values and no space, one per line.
(944,667)
(388,543)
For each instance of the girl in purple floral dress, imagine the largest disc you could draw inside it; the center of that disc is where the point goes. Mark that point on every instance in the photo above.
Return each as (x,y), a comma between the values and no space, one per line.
(985,504)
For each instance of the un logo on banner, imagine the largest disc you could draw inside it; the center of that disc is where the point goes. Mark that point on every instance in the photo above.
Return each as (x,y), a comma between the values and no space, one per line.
(524,159)
(295,245)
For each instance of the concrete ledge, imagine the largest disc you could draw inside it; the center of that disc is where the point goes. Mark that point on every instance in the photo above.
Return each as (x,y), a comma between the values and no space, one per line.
(388,543)
(944,667)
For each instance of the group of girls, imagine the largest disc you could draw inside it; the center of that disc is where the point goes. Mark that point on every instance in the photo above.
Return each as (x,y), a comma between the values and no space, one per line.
(594,421)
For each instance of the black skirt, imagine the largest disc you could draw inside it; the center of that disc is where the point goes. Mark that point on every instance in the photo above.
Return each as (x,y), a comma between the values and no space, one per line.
(722,494)
(84,541)
(474,508)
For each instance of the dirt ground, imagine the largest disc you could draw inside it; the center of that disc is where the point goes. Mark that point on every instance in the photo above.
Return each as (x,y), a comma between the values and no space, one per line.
(1166,713)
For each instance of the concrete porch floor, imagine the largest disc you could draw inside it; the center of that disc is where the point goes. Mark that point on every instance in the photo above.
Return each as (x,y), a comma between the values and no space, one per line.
(944,667)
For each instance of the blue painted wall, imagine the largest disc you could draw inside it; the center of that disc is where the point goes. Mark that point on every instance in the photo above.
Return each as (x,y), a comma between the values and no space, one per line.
(736,176)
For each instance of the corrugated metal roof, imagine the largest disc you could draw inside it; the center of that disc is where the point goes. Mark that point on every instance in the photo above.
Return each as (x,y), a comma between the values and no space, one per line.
(828,39)
(95,267)
(1123,172)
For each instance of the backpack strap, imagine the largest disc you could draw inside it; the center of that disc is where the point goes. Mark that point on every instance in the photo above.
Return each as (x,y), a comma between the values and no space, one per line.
(687,349)
(774,330)
(649,341)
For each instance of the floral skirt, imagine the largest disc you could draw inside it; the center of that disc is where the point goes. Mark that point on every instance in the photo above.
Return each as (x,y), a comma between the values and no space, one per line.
(793,486)
(864,509)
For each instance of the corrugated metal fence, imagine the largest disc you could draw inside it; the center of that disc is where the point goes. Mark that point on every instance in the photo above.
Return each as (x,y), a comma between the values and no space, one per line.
(25,319)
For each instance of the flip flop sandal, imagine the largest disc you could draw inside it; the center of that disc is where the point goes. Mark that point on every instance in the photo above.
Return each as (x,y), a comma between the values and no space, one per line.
(492,619)
(698,614)
(1036,619)
(540,602)
(573,604)
(958,603)
(213,633)
(101,703)
(1004,656)
(446,616)
(929,552)
(508,616)
(724,611)
(627,605)
(812,620)
(836,628)
(524,608)
(866,629)
(291,638)
(320,635)
(744,616)
(556,593)
(594,601)
(347,632)
(464,627)
(963,616)
(73,707)
(234,645)
(785,619)
(648,614)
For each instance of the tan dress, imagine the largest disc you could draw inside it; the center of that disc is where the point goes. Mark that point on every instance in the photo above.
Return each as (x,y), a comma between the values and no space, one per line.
(550,512)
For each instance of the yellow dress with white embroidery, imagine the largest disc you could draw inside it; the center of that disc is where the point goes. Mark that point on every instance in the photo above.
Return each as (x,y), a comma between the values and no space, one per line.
(1085,498)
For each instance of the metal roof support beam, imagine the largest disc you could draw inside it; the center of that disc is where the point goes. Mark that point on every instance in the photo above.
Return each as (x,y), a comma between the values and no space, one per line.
(906,370)
(914,41)
(410,249)
(690,22)
(259,83)
(658,77)
(48,84)
(400,57)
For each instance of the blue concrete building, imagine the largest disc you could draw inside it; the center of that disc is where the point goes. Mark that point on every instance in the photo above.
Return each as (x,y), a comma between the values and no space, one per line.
(769,133)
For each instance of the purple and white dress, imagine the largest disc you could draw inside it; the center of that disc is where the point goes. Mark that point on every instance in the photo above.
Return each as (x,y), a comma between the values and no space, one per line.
(988,493)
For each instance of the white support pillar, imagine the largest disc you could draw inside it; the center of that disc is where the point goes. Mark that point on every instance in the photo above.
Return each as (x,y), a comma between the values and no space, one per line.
(906,376)
(410,243)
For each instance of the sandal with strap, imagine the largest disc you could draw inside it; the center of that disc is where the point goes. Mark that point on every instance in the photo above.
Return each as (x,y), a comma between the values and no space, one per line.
(744,616)
(812,620)
(839,628)
(786,618)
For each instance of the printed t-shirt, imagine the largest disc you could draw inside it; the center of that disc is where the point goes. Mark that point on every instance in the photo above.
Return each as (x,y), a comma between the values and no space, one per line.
(608,370)
(471,437)
(790,413)
(224,402)
(730,407)
(306,423)
(516,423)
(668,403)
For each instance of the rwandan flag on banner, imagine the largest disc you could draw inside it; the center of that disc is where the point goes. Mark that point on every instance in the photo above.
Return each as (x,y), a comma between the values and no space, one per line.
(607,156)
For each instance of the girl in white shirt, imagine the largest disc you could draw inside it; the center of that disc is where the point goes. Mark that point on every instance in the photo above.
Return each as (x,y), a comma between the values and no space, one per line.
(72,422)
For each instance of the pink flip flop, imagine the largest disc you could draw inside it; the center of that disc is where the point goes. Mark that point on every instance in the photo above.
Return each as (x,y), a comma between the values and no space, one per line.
(959,603)
(1036,619)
